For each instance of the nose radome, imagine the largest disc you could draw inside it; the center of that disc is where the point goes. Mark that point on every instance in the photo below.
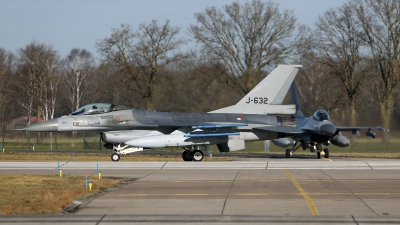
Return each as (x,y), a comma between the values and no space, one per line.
(328,129)
(46,126)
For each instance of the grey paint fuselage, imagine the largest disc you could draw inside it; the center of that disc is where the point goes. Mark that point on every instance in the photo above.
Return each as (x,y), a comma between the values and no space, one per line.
(136,119)
(124,125)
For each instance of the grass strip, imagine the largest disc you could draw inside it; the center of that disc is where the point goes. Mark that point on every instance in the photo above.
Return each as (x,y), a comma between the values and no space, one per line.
(33,194)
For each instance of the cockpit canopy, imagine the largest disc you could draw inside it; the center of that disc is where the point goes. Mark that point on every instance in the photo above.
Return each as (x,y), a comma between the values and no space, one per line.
(321,115)
(98,108)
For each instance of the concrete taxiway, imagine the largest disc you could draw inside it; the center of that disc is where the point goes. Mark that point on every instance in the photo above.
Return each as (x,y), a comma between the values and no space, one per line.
(275,191)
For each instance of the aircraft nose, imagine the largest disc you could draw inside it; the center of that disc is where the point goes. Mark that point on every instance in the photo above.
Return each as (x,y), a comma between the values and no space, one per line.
(46,126)
(328,129)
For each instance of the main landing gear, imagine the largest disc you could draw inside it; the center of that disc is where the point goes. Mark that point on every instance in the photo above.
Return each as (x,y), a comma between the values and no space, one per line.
(193,154)
(318,148)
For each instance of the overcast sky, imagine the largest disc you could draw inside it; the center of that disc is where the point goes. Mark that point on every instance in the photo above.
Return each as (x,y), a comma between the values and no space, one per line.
(80,23)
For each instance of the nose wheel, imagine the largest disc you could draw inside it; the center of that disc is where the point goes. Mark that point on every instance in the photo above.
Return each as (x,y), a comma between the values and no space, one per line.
(115,157)
(288,153)
(326,153)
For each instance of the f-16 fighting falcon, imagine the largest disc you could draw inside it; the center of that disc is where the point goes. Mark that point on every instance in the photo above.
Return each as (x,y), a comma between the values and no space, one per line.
(317,131)
(128,130)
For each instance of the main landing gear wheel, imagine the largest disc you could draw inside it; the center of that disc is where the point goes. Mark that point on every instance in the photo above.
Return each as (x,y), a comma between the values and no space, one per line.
(197,155)
(287,153)
(326,153)
(187,156)
(318,154)
(115,157)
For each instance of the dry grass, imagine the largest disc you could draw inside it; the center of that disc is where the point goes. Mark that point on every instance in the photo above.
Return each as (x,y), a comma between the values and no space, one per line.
(368,155)
(89,157)
(23,194)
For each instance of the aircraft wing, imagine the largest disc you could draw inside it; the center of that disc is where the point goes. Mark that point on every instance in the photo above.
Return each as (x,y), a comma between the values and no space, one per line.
(345,128)
(281,129)
(355,130)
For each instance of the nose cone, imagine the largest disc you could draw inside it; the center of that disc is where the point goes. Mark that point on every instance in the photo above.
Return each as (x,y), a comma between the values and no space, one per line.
(46,126)
(328,129)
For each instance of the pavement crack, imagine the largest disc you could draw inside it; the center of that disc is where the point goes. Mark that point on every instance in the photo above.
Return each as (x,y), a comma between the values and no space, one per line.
(354,219)
(98,222)
(350,192)
(63,164)
(369,165)
(163,165)
(148,175)
(227,195)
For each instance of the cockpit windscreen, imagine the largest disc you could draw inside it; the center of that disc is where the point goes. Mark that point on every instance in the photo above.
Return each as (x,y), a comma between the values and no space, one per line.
(321,115)
(98,108)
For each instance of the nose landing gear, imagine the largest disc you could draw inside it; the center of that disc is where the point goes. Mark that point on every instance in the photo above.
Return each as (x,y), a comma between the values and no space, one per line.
(115,157)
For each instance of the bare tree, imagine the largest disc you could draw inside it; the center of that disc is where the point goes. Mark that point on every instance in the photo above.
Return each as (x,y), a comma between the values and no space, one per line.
(7,61)
(50,96)
(246,38)
(37,65)
(141,54)
(316,90)
(78,77)
(380,21)
(339,46)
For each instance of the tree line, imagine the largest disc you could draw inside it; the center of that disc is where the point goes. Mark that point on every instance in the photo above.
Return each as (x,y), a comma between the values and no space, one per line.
(350,58)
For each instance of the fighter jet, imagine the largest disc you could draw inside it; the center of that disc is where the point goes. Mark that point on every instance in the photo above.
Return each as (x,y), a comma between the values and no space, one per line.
(317,131)
(128,130)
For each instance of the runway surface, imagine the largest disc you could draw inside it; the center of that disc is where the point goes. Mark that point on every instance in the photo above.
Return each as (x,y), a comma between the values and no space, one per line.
(273,191)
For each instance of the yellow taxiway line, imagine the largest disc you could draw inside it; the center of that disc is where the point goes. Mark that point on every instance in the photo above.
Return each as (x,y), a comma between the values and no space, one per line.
(309,201)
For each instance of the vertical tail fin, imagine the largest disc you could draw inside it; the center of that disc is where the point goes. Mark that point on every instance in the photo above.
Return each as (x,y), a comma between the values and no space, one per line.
(275,86)
(296,101)
(266,97)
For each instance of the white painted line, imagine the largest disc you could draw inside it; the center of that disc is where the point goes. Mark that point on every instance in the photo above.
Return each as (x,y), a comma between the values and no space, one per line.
(289,164)
(215,165)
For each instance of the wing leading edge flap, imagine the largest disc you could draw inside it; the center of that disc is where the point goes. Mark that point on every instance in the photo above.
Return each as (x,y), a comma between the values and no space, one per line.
(281,129)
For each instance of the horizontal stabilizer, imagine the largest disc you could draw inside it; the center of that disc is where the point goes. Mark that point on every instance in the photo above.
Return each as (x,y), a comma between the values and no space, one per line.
(211,134)
(281,129)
